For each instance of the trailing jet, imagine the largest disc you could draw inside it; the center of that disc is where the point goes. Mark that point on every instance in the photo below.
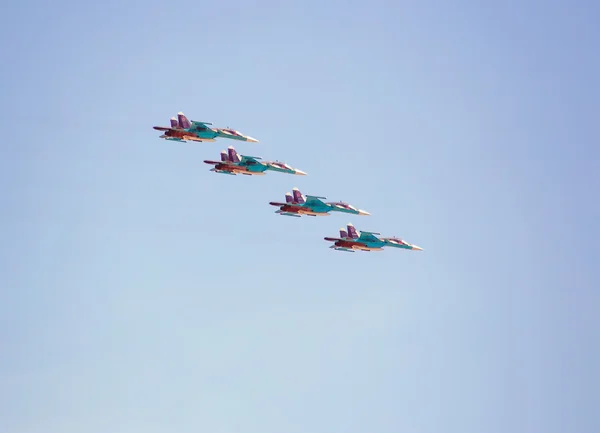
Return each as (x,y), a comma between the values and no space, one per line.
(183,129)
(351,240)
(297,204)
(234,163)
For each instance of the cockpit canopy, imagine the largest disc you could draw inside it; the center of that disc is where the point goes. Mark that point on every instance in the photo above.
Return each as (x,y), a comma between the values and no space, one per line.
(231,131)
(344,205)
(397,241)
(281,165)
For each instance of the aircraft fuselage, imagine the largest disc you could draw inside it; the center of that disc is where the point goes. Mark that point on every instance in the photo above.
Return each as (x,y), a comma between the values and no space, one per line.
(301,210)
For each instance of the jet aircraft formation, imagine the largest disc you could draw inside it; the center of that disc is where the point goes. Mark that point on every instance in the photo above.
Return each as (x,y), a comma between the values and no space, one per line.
(296,204)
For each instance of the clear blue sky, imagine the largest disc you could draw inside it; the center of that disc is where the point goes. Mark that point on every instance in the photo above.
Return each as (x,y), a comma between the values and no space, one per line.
(143,293)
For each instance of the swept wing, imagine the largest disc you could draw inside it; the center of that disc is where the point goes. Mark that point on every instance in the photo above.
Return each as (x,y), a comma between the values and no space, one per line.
(200,125)
(368,237)
(315,201)
(245,159)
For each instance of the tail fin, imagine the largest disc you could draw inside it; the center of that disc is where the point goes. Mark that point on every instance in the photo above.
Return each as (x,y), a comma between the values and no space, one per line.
(183,121)
(224,156)
(233,155)
(298,197)
(352,231)
(289,198)
(343,233)
(174,123)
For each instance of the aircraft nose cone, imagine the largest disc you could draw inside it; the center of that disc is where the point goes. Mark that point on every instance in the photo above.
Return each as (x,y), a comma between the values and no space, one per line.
(363,212)
(252,140)
(300,173)
(414,247)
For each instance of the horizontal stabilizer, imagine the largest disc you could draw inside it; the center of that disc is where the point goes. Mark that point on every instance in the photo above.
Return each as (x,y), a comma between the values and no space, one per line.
(348,250)
(222,172)
(206,161)
(274,203)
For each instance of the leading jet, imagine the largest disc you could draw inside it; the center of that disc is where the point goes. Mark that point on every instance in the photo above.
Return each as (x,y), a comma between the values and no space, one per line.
(182,129)
(352,240)
(233,163)
(297,204)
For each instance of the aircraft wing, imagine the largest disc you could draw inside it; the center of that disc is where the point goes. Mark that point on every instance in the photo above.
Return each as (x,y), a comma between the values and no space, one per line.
(249,159)
(368,237)
(314,201)
(200,125)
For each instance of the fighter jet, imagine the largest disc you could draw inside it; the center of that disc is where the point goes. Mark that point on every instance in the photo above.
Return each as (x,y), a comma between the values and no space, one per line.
(351,240)
(183,129)
(297,204)
(234,163)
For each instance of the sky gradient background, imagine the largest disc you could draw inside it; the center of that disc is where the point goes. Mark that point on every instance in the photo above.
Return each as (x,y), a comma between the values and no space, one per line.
(142,293)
